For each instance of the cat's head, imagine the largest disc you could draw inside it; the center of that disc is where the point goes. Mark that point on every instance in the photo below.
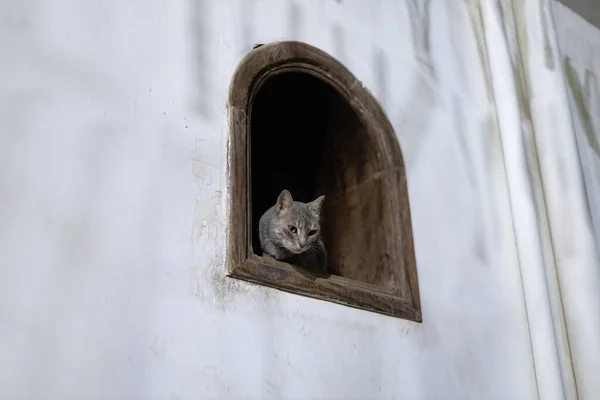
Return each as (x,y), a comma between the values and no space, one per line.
(297,226)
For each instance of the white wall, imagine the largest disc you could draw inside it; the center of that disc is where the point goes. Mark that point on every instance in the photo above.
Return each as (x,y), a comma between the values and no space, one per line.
(113,129)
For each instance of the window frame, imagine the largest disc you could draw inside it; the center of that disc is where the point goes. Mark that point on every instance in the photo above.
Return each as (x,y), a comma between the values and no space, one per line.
(261,63)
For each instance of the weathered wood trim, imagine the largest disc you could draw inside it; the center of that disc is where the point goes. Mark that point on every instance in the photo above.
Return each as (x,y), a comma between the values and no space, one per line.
(286,277)
(263,62)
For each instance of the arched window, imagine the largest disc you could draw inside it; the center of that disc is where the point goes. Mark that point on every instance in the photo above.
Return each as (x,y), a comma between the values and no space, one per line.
(299,120)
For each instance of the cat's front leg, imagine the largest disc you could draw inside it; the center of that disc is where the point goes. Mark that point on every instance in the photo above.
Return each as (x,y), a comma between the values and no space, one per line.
(266,254)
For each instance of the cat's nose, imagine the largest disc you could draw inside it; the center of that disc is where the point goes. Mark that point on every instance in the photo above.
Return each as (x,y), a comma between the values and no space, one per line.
(302,242)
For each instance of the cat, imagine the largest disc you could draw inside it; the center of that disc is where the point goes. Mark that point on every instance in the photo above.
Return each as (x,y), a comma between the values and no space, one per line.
(290,231)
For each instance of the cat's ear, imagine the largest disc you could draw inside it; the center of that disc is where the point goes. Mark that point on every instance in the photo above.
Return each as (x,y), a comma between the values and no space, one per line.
(284,201)
(316,205)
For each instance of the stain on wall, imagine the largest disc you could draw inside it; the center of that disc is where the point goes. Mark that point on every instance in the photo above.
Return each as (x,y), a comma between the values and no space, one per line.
(580,95)
(295,20)
(380,67)
(247,26)
(419,12)
(476,23)
(339,42)
(545,15)
(200,15)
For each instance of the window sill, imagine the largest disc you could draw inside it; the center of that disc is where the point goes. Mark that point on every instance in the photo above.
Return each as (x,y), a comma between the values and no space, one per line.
(336,289)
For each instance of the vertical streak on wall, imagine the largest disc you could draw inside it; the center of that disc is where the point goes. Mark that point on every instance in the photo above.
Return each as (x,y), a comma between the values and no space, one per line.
(380,69)
(295,21)
(247,24)
(582,102)
(544,17)
(572,260)
(419,12)
(339,42)
(200,21)
(525,192)
(592,97)
(475,18)
(514,17)
(412,121)
(577,258)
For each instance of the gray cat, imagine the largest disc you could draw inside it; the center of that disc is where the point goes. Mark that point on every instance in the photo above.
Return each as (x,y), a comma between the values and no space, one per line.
(290,231)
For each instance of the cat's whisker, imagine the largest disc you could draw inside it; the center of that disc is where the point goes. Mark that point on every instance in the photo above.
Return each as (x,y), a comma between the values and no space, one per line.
(314,249)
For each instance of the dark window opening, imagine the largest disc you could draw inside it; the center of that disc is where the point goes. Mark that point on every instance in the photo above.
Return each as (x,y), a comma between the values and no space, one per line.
(306,138)
(300,121)
(288,130)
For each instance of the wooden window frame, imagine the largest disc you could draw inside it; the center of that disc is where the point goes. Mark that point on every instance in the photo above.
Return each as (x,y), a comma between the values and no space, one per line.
(261,63)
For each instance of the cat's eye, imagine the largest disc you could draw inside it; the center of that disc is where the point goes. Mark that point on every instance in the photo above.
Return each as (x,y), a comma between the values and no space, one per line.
(312,232)
(292,228)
